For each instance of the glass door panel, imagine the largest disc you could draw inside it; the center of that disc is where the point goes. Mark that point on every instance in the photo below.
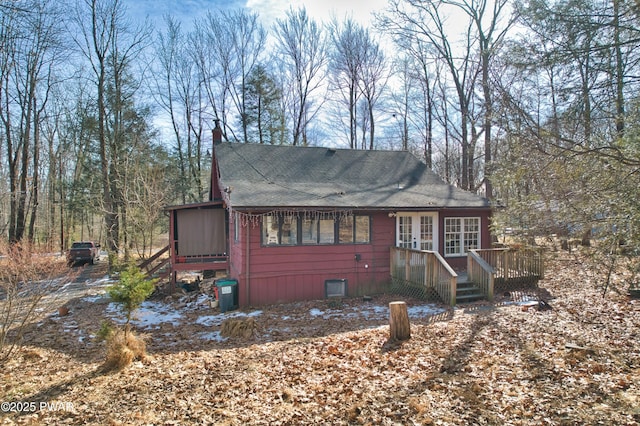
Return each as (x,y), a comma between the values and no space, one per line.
(405,231)
(418,231)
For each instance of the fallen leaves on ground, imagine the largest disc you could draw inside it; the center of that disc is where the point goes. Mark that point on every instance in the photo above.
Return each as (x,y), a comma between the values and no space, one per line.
(482,363)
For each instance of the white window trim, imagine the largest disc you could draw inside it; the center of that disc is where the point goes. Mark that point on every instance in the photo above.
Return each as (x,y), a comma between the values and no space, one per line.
(461,218)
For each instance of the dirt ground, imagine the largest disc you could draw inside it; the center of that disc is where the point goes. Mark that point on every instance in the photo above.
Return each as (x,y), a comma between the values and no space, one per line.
(328,362)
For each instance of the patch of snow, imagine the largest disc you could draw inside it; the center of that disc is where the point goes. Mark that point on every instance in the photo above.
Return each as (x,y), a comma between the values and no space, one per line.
(100,281)
(150,314)
(330,313)
(525,300)
(424,310)
(216,320)
(202,301)
(374,312)
(214,335)
(93,299)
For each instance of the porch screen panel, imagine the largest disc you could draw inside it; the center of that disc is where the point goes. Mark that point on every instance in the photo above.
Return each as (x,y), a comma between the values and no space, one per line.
(201,232)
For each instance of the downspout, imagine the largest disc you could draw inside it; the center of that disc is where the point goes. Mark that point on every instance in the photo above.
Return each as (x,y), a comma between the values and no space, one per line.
(247,285)
(172,250)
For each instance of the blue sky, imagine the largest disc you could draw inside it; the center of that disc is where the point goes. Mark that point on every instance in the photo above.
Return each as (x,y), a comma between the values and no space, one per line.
(269,10)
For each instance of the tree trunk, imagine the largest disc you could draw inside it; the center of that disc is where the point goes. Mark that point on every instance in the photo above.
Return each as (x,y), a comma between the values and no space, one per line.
(619,71)
(399,327)
(488,117)
(35,182)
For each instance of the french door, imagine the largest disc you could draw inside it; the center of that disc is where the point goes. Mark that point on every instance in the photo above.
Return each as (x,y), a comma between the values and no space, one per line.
(418,231)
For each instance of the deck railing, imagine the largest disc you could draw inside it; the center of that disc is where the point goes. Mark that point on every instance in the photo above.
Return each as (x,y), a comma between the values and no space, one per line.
(425,269)
(514,263)
(504,268)
(481,273)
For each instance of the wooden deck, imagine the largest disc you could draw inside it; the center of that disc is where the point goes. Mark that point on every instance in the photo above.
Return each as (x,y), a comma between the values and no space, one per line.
(424,272)
(488,271)
(500,269)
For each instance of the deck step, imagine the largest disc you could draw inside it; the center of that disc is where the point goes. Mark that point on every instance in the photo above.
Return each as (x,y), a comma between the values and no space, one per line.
(466,291)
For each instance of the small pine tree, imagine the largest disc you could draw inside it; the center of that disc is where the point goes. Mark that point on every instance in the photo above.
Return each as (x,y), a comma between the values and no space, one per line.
(131,290)
(123,346)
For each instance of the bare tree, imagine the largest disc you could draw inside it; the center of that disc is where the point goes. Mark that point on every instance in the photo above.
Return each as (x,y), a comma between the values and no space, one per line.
(30,40)
(401,98)
(237,42)
(450,157)
(180,91)
(345,65)
(487,16)
(110,44)
(425,22)
(147,193)
(427,107)
(373,79)
(209,73)
(415,71)
(303,47)
(427,27)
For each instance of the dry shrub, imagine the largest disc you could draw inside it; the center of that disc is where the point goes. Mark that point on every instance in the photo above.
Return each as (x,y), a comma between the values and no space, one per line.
(30,283)
(239,327)
(31,355)
(353,413)
(124,348)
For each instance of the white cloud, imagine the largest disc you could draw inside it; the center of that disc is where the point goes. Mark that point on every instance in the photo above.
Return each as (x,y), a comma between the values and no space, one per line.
(360,10)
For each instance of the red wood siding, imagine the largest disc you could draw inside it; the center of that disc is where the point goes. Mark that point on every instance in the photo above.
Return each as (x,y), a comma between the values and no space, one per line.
(290,273)
(268,275)
(237,256)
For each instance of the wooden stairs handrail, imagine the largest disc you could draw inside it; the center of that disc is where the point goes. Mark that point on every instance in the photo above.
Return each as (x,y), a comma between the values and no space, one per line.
(481,273)
(481,262)
(163,275)
(159,253)
(443,263)
(158,266)
(149,273)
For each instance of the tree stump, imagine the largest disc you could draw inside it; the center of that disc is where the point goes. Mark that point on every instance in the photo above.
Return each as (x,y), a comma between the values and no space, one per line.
(399,326)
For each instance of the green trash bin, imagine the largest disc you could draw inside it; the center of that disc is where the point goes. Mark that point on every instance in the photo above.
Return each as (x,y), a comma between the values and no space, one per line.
(227,291)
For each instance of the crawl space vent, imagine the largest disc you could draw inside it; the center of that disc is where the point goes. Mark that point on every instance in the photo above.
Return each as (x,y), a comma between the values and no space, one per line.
(335,288)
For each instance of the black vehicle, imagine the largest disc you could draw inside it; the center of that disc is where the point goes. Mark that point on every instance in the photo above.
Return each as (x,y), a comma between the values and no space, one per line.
(83,252)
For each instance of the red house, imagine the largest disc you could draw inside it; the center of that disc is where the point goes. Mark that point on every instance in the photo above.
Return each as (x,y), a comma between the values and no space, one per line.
(298,223)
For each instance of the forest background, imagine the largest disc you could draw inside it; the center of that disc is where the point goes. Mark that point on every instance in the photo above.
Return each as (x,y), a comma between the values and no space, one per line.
(105,118)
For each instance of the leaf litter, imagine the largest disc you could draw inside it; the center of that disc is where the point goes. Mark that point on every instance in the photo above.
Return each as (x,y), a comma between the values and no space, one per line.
(330,362)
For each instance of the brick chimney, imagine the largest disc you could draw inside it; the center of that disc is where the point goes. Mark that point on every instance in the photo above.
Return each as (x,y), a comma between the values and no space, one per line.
(217,132)
(214,190)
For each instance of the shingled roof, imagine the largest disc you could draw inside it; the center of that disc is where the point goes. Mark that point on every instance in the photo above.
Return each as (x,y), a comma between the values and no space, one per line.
(278,176)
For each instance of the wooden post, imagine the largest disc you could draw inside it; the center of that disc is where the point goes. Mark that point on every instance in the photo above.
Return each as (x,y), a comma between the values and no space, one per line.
(399,326)
(505,263)
(407,265)
(453,289)
(428,267)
